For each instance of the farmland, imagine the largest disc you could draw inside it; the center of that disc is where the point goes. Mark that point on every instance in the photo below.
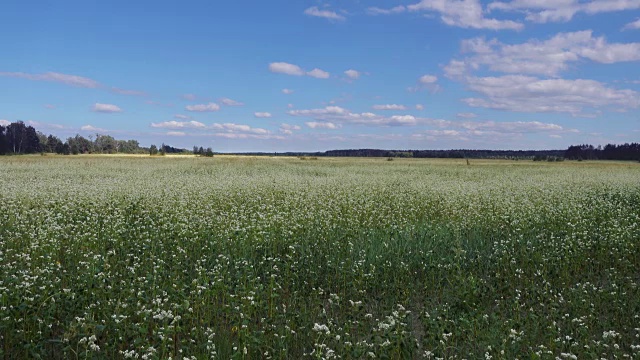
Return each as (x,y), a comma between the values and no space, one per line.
(284,258)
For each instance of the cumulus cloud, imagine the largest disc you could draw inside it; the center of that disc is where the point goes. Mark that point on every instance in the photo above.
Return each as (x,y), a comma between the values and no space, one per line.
(4,122)
(338,115)
(203,107)
(326,14)
(288,129)
(389,107)
(287,91)
(318,74)
(262,114)
(295,70)
(542,11)
(105,108)
(230,102)
(322,125)
(92,128)
(179,125)
(239,128)
(428,79)
(530,94)
(394,10)
(634,25)
(548,57)
(460,13)
(352,74)
(285,68)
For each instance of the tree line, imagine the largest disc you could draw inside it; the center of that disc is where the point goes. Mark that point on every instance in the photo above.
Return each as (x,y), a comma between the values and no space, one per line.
(608,152)
(19,138)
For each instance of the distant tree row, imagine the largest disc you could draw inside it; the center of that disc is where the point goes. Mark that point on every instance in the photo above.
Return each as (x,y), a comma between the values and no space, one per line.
(609,152)
(19,138)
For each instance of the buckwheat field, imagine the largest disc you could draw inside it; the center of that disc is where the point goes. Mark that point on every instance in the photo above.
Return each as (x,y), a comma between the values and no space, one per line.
(285,258)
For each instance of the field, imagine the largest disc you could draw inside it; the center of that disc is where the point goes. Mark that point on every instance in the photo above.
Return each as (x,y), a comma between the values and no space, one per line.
(284,258)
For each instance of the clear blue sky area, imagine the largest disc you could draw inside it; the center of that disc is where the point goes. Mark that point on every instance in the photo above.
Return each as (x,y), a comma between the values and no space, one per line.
(318,75)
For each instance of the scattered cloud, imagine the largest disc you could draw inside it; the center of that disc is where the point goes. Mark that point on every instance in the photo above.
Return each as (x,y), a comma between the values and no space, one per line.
(105,108)
(318,74)
(176,133)
(189,97)
(262,114)
(548,57)
(530,94)
(4,122)
(182,117)
(238,128)
(295,70)
(327,14)
(286,68)
(179,125)
(634,25)
(230,102)
(41,125)
(419,107)
(460,13)
(338,115)
(352,74)
(562,10)
(73,80)
(287,91)
(288,129)
(93,128)
(128,92)
(428,79)
(466,115)
(389,107)
(203,107)
(322,125)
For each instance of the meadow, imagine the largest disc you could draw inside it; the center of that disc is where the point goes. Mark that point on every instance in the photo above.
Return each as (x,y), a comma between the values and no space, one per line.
(284,258)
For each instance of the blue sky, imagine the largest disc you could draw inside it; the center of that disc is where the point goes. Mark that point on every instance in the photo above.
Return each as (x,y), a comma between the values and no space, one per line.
(319,75)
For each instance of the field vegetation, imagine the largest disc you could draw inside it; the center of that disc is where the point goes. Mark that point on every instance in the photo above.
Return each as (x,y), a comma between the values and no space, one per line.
(281,258)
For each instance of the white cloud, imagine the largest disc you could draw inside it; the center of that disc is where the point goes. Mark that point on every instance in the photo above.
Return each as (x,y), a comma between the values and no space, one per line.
(189,97)
(394,10)
(73,80)
(176,133)
(4,122)
(41,125)
(105,108)
(548,57)
(352,74)
(466,115)
(338,115)
(464,13)
(262,114)
(238,128)
(555,136)
(230,102)
(632,25)
(419,107)
(289,129)
(287,91)
(389,107)
(182,117)
(530,94)
(542,11)
(327,14)
(318,74)
(322,125)
(92,128)
(128,92)
(179,125)
(203,107)
(285,68)
(428,79)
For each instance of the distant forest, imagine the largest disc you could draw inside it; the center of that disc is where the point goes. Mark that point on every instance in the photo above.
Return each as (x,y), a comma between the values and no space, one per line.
(19,138)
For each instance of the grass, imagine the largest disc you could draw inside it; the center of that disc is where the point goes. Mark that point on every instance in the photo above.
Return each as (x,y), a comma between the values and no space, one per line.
(244,258)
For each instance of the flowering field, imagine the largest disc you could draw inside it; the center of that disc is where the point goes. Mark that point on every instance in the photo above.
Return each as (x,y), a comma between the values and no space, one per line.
(283,258)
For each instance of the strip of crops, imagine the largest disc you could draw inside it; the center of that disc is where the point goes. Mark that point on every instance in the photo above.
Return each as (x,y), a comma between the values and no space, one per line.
(243,258)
